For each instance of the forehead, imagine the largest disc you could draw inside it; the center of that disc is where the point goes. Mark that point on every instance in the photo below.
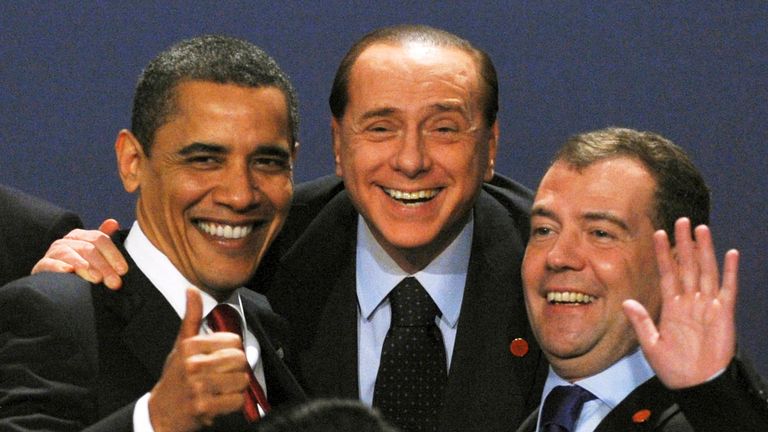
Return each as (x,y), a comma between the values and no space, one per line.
(229,109)
(622,186)
(413,68)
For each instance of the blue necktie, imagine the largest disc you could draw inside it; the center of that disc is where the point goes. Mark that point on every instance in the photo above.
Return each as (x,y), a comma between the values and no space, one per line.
(562,408)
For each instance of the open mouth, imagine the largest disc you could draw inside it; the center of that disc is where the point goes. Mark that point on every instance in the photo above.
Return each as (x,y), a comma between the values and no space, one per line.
(414,198)
(569,297)
(224,231)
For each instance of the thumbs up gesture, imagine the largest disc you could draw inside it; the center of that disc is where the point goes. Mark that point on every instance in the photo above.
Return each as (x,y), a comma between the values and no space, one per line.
(204,376)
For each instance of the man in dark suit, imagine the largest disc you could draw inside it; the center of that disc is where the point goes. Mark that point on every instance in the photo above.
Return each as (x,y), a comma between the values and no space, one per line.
(414,138)
(640,335)
(28,225)
(210,155)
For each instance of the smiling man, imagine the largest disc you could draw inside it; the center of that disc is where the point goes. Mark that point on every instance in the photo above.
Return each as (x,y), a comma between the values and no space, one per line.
(416,220)
(209,155)
(601,280)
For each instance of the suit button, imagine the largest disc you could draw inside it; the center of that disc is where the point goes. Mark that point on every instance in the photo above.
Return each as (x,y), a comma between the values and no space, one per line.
(518,347)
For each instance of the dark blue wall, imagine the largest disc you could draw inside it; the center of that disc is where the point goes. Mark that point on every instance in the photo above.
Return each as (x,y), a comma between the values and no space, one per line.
(697,72)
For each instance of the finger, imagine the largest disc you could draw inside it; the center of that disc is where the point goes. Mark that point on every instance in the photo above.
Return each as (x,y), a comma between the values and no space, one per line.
(221,383)
(667,267)
(730,288)
(220,352)
(709,277)
(52,265)
(684,247)
(193,315)
(109,227)
(645,329)
(115,264)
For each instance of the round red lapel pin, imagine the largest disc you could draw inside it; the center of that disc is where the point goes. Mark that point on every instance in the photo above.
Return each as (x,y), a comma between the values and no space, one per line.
(518,347)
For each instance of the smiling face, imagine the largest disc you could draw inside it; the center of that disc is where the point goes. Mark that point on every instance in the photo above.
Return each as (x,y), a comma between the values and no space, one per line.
(591,248)
(218,184)
(413,146)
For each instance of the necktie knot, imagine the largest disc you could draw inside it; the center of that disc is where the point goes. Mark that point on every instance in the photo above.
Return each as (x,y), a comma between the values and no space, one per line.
(562,408)
(411,305)
(224,318)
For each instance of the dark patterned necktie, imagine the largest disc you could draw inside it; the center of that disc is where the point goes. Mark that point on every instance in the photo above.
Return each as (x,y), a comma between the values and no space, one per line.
(224,318)
(562,408)
(412,373)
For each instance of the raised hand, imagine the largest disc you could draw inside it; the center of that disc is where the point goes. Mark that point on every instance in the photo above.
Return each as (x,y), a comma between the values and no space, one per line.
(88,253)
(696,333)
(204,376)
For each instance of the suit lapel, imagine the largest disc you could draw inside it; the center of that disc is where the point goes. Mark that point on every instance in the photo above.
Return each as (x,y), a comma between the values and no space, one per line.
(484,375)
(314,289)
(651,398)
(281,385)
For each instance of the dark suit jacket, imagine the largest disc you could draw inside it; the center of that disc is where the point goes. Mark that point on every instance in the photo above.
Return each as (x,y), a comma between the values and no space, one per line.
(28,225)
(74,354)
(735,401)
(311,275)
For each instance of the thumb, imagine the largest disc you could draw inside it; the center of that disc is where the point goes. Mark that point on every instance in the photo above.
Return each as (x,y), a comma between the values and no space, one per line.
(193,316)
(645,329)
(109,226)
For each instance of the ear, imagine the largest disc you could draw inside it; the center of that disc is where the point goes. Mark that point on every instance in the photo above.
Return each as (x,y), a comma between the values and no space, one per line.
(336,138)
(130,160)
(493,139)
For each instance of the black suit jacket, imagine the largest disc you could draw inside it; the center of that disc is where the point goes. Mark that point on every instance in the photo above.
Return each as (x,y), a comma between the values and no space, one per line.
(310,276)
(735,401)
(28,225)
(76,355)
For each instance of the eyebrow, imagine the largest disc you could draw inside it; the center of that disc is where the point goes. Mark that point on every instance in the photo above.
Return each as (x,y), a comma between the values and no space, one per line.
(589,216)
(201,147)
(605,216)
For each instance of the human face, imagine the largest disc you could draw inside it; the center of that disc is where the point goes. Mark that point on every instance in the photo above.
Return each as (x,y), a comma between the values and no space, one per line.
(413,146)
(217,186)
(591,248)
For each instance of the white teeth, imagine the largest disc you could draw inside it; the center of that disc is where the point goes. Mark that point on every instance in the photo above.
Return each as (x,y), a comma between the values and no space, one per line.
(226,231)
(410,196)
(569,297)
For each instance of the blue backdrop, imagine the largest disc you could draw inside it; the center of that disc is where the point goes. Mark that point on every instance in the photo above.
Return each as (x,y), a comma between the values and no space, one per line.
(696,72)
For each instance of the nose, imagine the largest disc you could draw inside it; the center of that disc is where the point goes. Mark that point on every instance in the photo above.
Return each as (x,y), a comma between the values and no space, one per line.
(412,156)
(565,253)
(237,189)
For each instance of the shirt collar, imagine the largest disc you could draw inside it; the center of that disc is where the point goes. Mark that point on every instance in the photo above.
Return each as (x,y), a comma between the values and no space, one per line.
(444,278)
(612,385)
(166,277)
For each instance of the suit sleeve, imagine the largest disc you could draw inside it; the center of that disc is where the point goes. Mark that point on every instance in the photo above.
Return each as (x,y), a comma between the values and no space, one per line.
(736,401)
(45,372)
(48,365)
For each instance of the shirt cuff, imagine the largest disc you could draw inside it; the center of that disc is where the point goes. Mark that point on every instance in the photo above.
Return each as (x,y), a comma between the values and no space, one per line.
(141,422)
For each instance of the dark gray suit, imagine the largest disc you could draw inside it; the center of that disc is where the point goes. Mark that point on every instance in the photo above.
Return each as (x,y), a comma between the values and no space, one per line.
(310,274)
(735,401)
(28,225)
(74,354)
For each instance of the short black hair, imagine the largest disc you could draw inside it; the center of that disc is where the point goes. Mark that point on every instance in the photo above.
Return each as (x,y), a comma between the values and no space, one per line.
(680,188)
(405,33)
(214,58)
(325,415)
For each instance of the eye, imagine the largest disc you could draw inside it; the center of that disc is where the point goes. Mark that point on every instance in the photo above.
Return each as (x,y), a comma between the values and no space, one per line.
(540,231)
(601,234)
(272,164)
(204,161)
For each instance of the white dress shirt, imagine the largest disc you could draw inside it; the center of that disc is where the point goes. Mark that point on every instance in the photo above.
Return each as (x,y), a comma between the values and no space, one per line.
(611,386)
(377,274)
(173,285)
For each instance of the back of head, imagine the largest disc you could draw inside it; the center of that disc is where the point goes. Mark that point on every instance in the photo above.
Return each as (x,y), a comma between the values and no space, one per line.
(414,33)
(680,188)
(213,58)
(326,415)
